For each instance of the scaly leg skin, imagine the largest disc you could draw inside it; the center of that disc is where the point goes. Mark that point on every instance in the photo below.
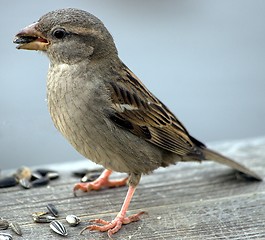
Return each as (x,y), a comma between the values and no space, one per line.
(100,182)
(116,224)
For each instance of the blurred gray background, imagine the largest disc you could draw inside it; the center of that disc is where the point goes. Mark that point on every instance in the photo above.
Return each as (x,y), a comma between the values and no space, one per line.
(204,59)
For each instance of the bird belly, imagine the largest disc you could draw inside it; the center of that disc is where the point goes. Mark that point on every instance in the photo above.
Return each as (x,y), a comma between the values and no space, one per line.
(92,137)
(82,122)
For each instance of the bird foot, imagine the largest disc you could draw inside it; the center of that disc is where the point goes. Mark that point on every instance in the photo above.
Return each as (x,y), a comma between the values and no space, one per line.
(113,226)
(100,182)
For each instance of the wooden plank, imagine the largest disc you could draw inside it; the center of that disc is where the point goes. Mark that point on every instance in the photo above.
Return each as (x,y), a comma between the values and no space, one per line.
(185,201)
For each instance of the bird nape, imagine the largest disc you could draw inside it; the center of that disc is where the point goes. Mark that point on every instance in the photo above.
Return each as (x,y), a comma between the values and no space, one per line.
(102,108)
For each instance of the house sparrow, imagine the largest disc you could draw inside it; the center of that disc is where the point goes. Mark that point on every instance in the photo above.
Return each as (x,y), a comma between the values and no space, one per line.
(104,110)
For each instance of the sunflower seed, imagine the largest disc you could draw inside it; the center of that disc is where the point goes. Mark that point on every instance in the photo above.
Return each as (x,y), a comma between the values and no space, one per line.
(52,175)
(5,236)
(43,218)
(24,39)
(23,172)
(44,171)
(80,173)
(38,214)
(36,175)
(8,182)
(3,224)
(89,177)
(25,183)
(58,227)
(72,220)
(16,228)
(40,182)
(52,209)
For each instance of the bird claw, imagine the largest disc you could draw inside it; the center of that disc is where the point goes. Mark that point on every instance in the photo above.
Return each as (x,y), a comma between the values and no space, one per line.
(100,221)
(98,184)
(116,224)
(101,182)
(113,226)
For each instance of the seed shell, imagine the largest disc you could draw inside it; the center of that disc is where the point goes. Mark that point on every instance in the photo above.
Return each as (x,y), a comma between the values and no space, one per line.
(8,182)
(58,227)
(52,209)
(38,214)
(16,228)
(5,236)
(40,182)
(52,175)
(25,183)
(89,177)
(80,172)
(43,218)
(36,175)
(72,220)
(23,172)
(44,171)
(3,224)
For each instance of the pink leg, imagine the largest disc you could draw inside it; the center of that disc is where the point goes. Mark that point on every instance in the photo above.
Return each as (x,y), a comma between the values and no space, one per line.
(115,225)
(100,182)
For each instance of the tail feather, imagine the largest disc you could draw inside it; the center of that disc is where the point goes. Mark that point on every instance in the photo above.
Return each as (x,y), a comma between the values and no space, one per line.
(217,157)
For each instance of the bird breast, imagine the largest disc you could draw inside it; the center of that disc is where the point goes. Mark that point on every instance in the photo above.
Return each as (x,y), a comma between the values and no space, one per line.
(73,105)
(77,102)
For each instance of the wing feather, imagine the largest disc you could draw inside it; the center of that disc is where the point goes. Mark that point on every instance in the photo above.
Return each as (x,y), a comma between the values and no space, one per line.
(140,112)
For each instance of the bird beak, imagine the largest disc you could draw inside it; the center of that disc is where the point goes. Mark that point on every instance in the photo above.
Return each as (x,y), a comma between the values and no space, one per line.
(31,39)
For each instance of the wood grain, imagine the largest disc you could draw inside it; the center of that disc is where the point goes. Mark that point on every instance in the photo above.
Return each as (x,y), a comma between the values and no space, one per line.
(185,201)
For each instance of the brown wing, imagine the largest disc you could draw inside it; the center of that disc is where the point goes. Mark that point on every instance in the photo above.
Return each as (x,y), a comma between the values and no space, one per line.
(140,112)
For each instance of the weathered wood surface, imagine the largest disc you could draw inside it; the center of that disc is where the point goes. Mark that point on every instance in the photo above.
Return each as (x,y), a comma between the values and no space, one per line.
(186,201)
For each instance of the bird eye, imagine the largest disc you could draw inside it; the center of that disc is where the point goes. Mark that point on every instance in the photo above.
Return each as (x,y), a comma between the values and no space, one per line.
(59,33)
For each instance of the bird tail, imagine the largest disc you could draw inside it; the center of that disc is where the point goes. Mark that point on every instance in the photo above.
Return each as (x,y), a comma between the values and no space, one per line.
(217,157)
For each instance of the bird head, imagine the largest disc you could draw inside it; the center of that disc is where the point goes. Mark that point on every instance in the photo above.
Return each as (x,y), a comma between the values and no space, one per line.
(67,36)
